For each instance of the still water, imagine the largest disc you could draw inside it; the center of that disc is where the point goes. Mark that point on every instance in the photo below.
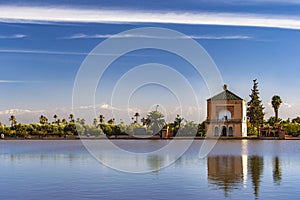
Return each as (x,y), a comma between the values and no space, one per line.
(238,169)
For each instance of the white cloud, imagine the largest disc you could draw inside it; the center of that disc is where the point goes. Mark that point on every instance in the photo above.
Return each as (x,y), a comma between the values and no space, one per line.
(10,81)
(28,51)
(99,106)
(17,111)
(206,37)
(106,106)
(288,105)
(263,1)
(86,107)
(32,51)
(222,37)
(109,107)
(19,81)
(15,36)
(23,14)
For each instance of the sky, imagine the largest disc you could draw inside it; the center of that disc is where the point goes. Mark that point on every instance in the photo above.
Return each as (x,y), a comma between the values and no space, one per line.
(43,46)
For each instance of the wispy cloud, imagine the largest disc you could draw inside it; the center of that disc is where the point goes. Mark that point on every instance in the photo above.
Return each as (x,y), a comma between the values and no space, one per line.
(72,53)
(288,105)
(20,81)
(286,2)
(13,81)
(41,52)
(17,111)
(15,36)
(22,14)
(205,37)
(106,106)
(222,37)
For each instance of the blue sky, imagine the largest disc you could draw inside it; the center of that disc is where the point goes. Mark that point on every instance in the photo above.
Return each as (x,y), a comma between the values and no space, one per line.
(42,46)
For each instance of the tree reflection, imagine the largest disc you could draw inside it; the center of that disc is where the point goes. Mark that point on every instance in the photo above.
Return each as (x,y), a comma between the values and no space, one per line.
(277,173)
(256,169)
(155,162)
(226,172)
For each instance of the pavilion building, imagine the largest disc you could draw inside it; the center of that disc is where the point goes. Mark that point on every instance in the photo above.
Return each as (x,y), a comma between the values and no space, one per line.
(226,115)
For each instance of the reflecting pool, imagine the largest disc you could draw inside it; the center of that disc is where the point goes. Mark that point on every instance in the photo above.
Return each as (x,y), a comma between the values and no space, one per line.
(237,169)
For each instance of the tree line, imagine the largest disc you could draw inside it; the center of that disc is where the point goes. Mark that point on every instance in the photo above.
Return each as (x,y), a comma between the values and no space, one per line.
(152,124)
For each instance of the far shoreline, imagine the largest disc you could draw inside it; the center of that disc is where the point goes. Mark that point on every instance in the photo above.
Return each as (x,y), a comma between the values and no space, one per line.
(68,138)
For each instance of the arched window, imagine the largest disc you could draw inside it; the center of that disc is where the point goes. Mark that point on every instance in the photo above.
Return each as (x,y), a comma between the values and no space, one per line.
(216,133)
(224,131)
(224,115)
(230,131)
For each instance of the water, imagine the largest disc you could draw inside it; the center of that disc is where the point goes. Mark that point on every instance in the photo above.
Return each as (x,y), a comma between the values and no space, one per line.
(233,170)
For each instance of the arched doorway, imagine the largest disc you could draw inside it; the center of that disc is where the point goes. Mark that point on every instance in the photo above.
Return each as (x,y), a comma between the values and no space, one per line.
(216,133)
(230,131)
(224,131)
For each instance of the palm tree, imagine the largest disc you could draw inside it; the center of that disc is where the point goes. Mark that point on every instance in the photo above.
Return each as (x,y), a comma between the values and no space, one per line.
(178,121)
(276,102)
(101,119)
(43,119)
(71,117)
(13,120)
(156,121)
(95,122)
(136,115)
(145,121)
(111,121)
(82,121)
(55,118)
(64,121)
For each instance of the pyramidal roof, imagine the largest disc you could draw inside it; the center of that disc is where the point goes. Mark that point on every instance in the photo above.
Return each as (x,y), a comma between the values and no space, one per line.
(226,95)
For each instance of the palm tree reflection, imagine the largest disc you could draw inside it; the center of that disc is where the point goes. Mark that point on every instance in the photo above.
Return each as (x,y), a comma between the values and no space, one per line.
(277,174)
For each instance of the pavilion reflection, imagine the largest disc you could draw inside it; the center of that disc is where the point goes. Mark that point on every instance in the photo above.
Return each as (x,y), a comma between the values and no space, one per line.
(231,172)
(226,172)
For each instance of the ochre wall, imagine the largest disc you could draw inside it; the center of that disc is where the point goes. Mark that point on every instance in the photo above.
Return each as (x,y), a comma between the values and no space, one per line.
(238,120)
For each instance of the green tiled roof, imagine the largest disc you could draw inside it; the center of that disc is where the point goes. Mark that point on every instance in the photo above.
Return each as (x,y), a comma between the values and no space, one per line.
(226,95)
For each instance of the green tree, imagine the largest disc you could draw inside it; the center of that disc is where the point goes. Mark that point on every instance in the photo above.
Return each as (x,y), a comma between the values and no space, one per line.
(101,119)
(296,120)
(13,120)
(71,117)
(201,129)
(190,128)
(272,121)
(178,121)
(145,121)
(111,121)
(106,128)
(95,122)
(43,119)
(276,102)
(156,121)
(255,108)
(136,115)
(64,121)
(82,121)
(55,118)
